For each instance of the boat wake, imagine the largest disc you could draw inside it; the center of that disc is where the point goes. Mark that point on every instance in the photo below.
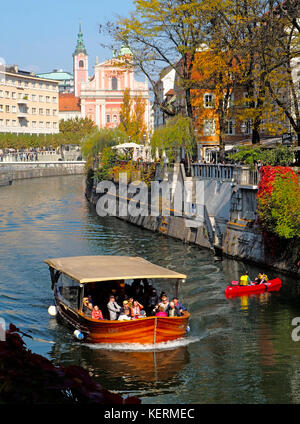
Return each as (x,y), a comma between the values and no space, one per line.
(133,347)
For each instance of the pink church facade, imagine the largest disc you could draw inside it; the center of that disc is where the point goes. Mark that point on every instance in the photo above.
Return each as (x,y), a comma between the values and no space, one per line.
(102,94)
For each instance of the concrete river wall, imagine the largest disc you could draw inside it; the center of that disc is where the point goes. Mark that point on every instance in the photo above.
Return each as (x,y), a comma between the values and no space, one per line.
(23,170)
(227,223)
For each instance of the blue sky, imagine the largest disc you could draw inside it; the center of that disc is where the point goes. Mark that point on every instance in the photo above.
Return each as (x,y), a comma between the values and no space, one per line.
(41,35)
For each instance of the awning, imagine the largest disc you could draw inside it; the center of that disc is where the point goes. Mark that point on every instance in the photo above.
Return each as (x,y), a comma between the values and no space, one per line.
(87,269)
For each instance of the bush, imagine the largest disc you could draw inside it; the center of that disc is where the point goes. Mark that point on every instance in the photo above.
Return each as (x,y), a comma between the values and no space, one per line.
(278,202)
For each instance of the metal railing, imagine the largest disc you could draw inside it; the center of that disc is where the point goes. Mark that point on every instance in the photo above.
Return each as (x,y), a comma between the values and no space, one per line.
(243,175)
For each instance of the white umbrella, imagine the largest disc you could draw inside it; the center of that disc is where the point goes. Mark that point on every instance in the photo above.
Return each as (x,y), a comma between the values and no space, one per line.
(127,146)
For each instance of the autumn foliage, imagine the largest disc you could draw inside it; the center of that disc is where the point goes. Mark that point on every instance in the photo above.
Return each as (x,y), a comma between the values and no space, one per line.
(278,201)
(29,378)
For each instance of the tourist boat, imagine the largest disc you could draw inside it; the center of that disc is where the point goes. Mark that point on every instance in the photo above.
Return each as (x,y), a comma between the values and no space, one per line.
(236,290)
(74,278)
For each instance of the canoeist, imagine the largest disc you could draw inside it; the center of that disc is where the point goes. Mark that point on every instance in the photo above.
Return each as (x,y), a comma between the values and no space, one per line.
(261,278)
(245,279)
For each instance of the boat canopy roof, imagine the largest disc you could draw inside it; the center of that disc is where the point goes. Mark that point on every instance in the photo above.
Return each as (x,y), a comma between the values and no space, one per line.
(88,269)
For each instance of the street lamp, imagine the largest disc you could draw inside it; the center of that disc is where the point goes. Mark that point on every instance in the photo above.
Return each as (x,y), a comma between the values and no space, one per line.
(243,128)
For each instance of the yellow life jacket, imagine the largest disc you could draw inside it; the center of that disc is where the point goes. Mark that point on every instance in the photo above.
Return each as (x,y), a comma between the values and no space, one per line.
(265,277)
(244,280)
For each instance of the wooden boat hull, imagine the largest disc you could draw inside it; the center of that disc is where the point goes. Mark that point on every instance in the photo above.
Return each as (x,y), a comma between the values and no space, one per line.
(272,285)
(143,330)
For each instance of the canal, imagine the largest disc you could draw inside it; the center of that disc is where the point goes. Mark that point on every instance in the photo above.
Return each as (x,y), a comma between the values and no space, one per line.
(237,351)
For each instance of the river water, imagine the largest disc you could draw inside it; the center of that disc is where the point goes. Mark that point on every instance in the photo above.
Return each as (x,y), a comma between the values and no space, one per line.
(237,351)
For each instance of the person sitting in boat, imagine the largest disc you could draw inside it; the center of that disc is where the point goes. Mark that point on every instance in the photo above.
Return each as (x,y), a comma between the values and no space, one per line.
(179,305)
(125,306)
(125,315)
(85,302)
(245,279)
(161,312)
(113,308)
(261,278)
(96,313)
(172,310)
(164,303)
(136,309)
(153,300)
(88,310)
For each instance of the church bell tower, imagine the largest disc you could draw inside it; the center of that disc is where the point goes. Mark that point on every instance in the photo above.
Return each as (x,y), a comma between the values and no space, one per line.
(80,64)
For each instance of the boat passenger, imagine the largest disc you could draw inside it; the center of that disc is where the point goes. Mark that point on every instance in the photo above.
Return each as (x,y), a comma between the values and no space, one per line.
(125,306)
(153,300)
(161,312)
(259,279)
(125,315)
(85,302)
(130,302)
(164,303)
(172,311)
(113,308)
(136,309)
(178,304)
(245,279)
(88,310)
(96,313)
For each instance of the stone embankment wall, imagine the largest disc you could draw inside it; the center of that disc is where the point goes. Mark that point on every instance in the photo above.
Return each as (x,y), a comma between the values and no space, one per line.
(227,223)
(20,171)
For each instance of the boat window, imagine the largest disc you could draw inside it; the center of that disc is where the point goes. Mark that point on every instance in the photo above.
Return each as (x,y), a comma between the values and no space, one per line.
(68,290)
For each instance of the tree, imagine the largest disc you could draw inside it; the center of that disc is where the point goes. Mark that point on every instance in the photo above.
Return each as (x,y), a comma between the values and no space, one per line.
(178,132)
(77,125)
(164,33)
(132,117)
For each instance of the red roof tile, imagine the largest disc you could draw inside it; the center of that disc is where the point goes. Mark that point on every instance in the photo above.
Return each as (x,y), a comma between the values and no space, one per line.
(68,102)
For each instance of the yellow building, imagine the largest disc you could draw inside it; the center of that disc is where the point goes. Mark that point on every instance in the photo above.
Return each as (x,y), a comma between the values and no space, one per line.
(28,104)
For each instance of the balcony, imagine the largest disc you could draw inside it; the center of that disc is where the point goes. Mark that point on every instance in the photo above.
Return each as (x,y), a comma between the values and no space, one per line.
(23,101)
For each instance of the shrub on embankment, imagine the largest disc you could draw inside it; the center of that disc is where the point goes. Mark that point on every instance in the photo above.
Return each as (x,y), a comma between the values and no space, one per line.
(278,202)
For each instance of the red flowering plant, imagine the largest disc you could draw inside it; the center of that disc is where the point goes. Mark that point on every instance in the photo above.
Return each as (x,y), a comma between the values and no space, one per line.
(278,202)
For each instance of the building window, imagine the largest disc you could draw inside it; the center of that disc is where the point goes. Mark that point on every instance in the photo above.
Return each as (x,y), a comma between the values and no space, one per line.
(41,124)
(7,94)
(14,123)
(54,112)
(41,111)
(209,127)
(47,124)
(1,122)
(48,112)
(81,64)
(247,127)
(114,83)
(6,108)
(7,122)
(230,128)
(14,95)
(55,125)
(1,93)
(41,98)
(48,99)
(33,97)
(115,119)
(208,100)
(54,99)
(33,124)
(1,108)
(13,109)
(33,111)
(108,119)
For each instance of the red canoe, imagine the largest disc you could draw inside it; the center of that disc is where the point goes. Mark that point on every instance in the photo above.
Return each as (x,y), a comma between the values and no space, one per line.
(236,290)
